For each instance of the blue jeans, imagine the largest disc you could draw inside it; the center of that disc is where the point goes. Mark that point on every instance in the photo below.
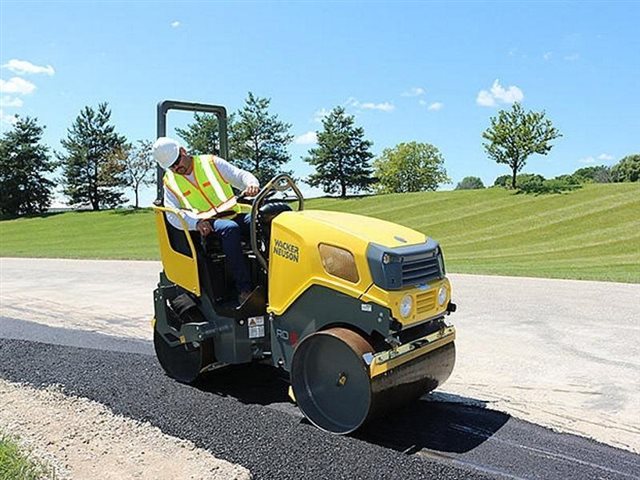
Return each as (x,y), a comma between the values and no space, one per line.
(230,232)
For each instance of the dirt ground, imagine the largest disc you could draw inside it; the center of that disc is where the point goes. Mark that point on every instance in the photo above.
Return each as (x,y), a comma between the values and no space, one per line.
(79,438)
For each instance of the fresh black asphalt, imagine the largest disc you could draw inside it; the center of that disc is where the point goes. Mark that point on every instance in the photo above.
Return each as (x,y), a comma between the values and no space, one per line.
(242,415)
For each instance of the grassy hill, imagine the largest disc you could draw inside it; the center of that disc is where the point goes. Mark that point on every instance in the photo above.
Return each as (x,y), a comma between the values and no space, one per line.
(591,233)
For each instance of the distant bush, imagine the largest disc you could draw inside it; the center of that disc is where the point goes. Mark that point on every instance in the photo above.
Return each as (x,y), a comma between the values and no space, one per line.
(596,174)
(524,178)
(538,185)
(470,183)
(503,181)
(530,183)
(627,169)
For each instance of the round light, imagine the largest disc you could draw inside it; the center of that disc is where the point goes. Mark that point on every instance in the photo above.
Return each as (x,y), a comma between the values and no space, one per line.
(386,259)
(442,295)
(406,304)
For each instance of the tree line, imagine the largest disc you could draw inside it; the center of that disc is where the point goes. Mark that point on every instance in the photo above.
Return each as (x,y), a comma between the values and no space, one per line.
(97,163)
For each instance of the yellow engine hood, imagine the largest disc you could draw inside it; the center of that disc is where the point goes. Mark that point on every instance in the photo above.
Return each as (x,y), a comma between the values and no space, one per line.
(366,229)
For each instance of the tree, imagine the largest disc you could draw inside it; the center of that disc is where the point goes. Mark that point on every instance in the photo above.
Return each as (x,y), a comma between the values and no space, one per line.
(627,169)
(138,164)
(342,158)
(596,174)
(410,167)
(515,135)
(502,181)
(201,137)
(470,183)
(24,162)
(258,140)
(93,167)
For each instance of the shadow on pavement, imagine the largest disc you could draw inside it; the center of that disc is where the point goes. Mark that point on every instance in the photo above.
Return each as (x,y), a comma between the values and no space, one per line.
(250,384)
(434,425)
(439,422)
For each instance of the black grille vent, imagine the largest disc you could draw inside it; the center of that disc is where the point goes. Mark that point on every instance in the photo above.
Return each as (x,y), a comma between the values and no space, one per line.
(420,268)
(402,267)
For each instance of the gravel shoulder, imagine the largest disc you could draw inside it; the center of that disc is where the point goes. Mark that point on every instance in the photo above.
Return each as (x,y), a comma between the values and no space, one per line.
(79,438)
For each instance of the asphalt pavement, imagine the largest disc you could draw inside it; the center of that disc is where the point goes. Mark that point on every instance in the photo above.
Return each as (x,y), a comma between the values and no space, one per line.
(242,415)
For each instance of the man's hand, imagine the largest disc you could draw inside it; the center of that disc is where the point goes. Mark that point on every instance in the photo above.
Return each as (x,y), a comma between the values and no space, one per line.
(204,227)
(251,191)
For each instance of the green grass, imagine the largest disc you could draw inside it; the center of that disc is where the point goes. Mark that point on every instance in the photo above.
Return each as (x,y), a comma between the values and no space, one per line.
(16,465)
(591,233)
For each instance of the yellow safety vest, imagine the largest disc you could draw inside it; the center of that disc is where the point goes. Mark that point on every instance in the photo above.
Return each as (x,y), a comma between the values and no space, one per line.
(209,195)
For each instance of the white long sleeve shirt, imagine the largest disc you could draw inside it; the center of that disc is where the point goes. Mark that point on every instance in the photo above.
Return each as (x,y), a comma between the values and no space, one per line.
(238,178)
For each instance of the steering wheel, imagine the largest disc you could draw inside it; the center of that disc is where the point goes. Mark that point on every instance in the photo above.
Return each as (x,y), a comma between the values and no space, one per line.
(279,183)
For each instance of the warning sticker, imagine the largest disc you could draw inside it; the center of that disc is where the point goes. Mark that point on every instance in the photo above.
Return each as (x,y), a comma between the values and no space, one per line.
(256,327)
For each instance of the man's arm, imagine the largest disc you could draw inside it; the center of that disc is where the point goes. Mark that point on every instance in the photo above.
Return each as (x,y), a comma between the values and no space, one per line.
(237,177)
(170,201)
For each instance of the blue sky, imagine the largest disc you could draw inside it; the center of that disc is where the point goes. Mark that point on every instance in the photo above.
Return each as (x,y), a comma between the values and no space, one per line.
(431,72)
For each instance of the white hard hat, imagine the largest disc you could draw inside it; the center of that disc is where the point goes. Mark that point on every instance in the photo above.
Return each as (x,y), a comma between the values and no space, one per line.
(166,151)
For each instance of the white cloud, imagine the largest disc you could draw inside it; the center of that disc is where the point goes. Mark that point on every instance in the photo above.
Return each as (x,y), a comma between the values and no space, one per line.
(414,92)
(485,99)
(16,85)
(572,58)
(308,138)
(22,67)
(9,101)
(320,114)
(498,94)
(385,106)
(436,106)
(591,160)
(175,24)
(547,56)
(423,102)
(9,119)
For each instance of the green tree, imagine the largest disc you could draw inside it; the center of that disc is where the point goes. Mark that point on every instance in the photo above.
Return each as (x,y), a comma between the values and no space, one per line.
(627,169)
(342,158)
(470,183)
(410,167)
(502,181)
(93,166)
(515,135)
(201,137)
(24,163)
(139,167)
(258,140)
(595,174)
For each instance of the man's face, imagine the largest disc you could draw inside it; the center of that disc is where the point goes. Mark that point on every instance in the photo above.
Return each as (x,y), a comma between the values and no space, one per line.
(183,165)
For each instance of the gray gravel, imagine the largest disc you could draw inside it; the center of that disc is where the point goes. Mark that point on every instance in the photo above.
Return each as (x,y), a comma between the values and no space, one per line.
(240,416)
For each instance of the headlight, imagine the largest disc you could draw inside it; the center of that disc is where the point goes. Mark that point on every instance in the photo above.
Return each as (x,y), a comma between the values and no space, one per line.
(442,295)
(406,304)
(338,262)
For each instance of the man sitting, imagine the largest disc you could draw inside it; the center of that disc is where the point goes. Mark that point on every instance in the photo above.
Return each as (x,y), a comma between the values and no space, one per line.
(199,187)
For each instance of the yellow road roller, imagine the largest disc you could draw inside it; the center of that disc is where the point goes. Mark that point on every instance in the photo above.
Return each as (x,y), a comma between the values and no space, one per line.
(352,310)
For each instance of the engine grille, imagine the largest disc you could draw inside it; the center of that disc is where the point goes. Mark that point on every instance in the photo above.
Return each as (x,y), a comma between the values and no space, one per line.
(425,301)
(420,268)
(403,267)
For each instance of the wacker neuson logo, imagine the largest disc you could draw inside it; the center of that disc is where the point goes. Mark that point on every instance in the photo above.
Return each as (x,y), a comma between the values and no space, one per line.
(286,250)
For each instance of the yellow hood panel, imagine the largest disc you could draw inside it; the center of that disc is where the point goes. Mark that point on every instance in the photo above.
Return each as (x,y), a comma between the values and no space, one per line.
(366,228)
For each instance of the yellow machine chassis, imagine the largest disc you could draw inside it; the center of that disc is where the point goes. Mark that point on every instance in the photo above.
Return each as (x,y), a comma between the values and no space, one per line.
(178,268)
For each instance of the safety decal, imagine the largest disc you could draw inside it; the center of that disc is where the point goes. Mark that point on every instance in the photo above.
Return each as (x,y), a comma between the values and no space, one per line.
(256,327)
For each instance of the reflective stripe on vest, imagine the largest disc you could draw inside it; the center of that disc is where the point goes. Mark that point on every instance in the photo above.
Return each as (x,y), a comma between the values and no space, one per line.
(210,192)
